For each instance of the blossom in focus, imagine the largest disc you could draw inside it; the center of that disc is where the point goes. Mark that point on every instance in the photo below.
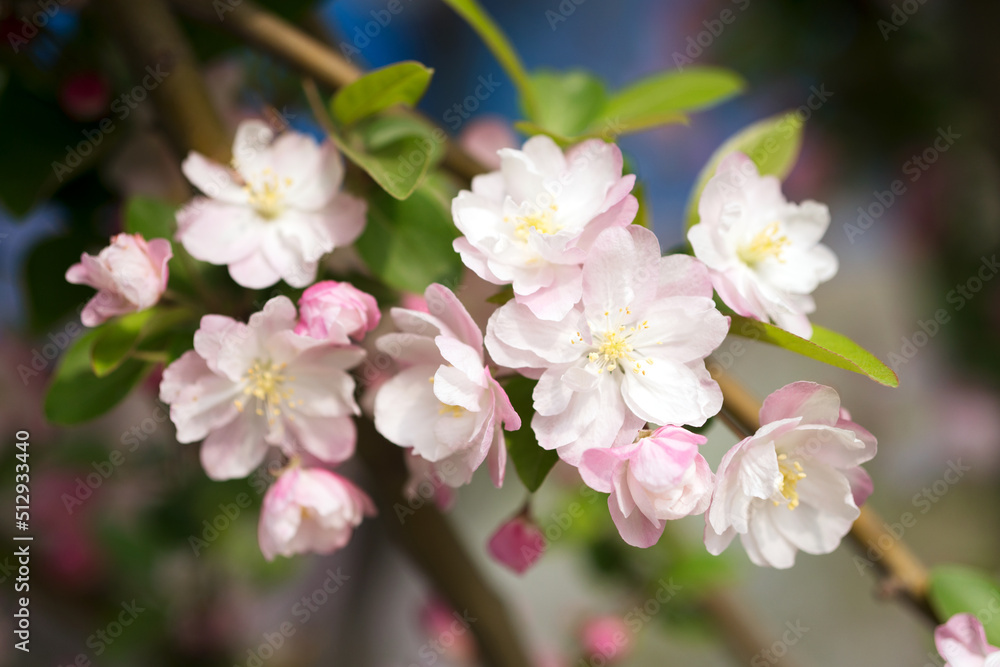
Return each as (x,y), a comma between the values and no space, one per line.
(517,543)
(444,404)
(657,478)
(532,223)
(247,386)
(962,642)
(795,484)
(763,252)
(275,213)
(310,510)
(607,638)
(632,352)
(337,312)
(129,275)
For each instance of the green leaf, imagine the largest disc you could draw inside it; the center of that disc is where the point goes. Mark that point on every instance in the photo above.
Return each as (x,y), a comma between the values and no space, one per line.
(502,50)
(150,217)
(670,95)
(121,337)
(402,83)
(956,590)
(567,101)
(396,152)
(76,394)
(825,345)
(408,244)
(773,144)
(531,461)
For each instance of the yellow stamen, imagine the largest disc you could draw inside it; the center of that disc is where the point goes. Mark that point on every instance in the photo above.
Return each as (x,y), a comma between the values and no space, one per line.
(767,243)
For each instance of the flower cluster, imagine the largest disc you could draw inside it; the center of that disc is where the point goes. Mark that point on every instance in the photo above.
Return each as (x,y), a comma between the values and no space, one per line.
(614,335)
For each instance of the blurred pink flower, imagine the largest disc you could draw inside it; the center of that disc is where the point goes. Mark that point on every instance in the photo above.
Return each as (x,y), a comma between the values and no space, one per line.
(129,275)
(484,137)
(247,386)
(310,510)
(336,312)
(793,485)
(84,96)
(276,214)
(517,543)
(606,637)
(655,479)
(447,629)
(962,642)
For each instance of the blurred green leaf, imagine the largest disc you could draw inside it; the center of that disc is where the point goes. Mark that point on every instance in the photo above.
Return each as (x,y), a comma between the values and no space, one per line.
(825,345)
(397,152)
(408,243)
(401,83)
(150,217)
(666,97)
(531,461)
(76,394)
(773,144)
(567,101)
(955,589)
(121,337)
(502,50)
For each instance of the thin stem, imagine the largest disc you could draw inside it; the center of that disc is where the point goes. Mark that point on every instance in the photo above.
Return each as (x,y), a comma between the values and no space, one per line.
(905,573)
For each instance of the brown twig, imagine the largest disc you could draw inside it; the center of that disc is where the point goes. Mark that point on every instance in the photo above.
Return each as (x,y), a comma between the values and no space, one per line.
(162,59)
(302,51)
(905,572)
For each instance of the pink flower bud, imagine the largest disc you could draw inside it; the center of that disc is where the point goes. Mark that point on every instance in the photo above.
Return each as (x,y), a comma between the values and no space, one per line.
(310,510)
(518,543)
(129,275)
(337,312)
(607,637)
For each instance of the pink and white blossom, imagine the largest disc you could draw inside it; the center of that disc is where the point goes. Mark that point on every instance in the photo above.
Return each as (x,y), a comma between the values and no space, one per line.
(310,510)
(444,404)
(632,352)
(796,483)
(275,213)
(607,638)
(763,252)
(656,479)
(518,543)
(337,312)
(962,642)
(247,386)
(532,223)
(129,275)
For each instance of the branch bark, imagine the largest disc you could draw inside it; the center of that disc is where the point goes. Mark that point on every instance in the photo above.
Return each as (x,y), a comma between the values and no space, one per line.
(309,55)
(904,572)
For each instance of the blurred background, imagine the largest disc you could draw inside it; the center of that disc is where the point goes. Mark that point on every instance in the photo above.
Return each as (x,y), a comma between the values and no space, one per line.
(894,91)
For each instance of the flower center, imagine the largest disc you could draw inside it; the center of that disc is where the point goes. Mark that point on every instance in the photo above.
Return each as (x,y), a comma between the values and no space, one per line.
(767,243)
(267,193)
(791,473)
(538,220)
(614,346)
(265,383)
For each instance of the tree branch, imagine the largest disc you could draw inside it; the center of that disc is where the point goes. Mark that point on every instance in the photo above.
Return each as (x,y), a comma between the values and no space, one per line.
(305,53)
(162,59)
(905,573)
